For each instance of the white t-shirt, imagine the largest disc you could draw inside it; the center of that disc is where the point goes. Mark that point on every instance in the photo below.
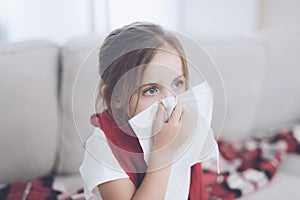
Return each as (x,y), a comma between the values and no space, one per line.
(94,170)
(100,165)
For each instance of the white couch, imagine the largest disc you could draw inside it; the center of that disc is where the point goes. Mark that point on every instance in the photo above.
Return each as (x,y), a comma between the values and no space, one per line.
(42,128)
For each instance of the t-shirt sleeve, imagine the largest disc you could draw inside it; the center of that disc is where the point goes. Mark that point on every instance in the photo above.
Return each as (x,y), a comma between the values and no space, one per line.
(99,164)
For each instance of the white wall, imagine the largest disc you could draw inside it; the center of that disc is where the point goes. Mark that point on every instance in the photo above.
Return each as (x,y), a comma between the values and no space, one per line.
(215,18)
(162,12)
(56,20)
(60,20)
(280,13)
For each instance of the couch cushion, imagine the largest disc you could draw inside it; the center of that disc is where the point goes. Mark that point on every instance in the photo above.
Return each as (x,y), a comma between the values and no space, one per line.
(283,186)
(67,183)
(291,164)
(29,110)
(279,104)
(77,99)
(242,65)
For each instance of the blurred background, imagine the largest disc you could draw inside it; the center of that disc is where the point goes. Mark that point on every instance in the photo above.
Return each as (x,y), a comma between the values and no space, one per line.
(60,20)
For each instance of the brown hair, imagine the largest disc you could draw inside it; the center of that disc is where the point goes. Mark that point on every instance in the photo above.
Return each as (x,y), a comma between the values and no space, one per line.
(128,47)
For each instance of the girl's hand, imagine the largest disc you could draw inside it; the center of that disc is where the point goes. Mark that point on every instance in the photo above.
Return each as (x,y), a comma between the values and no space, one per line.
(168,137)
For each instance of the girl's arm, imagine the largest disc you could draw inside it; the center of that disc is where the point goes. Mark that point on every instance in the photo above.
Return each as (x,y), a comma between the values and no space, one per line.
(154,184)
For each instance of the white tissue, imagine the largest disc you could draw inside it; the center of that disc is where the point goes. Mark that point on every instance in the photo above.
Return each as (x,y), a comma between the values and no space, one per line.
(169,103)
(198,102)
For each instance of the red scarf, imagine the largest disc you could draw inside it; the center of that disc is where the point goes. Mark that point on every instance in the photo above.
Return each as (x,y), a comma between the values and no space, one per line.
(131,158)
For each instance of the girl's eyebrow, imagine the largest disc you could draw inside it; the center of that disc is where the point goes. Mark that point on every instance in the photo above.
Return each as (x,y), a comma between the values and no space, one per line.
(178,77)
(147,84)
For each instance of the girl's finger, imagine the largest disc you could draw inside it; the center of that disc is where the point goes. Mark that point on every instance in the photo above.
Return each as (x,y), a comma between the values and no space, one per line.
(176,114)
(159,118)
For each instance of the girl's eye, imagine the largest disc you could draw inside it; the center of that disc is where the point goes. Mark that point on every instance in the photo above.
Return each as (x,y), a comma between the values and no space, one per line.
(150,92)
(178,84)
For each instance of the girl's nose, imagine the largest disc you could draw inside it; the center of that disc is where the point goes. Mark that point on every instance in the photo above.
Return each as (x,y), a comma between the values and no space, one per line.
(167,92)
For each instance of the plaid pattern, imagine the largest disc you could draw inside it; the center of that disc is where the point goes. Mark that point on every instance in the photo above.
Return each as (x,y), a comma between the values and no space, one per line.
(249,165)
(39,188)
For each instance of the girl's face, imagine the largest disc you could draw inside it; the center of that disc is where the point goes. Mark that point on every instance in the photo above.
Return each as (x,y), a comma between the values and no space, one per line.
(163,77)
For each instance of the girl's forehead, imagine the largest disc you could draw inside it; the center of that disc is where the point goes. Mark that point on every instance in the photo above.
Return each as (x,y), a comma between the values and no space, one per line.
(163,69)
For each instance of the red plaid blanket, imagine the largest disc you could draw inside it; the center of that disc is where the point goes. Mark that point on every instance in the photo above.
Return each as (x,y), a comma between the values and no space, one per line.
(244,166)
(249,165)
(39,188)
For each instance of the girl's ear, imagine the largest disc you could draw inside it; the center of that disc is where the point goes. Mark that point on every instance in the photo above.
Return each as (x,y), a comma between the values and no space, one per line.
(117,104)
(102,90)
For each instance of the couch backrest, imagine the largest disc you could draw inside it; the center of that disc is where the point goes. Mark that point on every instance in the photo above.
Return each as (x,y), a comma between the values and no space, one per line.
(279,103)
(79,79)
(29,109)
(262,83)
(242,64)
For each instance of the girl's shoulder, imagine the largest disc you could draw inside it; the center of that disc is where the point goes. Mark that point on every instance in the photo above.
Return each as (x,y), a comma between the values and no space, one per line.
(99,164)
(96,135)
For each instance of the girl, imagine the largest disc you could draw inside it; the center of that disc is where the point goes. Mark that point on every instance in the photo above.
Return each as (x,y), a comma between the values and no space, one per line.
(140,64)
